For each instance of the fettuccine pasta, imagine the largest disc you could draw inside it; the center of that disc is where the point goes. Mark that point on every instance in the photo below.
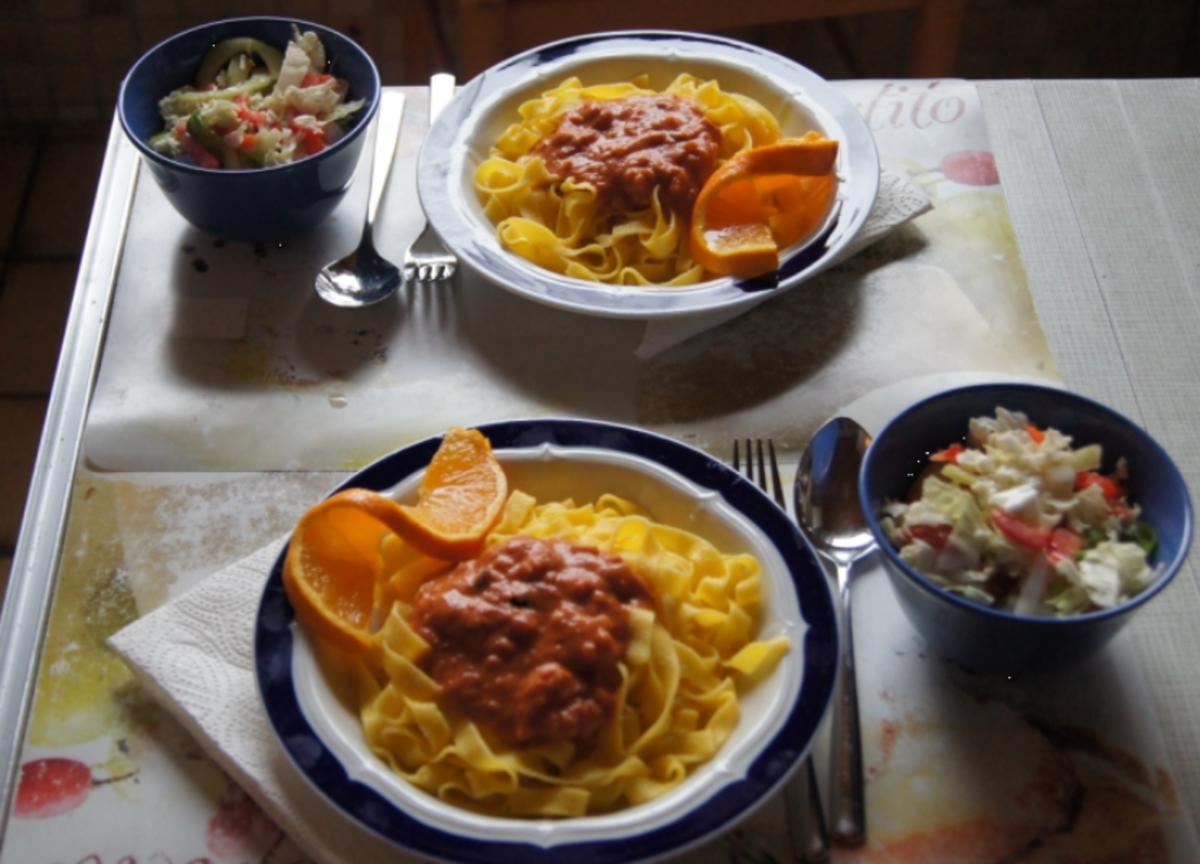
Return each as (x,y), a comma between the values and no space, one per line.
(567,226)
(689,656)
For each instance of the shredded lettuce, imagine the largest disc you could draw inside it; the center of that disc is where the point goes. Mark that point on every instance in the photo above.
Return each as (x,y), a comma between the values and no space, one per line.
(253,116)
(1033,527)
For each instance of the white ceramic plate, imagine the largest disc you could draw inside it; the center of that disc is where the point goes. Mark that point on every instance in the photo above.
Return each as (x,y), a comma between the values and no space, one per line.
(579,459)
(465,131)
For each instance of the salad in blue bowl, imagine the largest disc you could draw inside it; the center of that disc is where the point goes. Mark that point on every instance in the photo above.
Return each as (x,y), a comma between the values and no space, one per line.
(1021,525)
(251,127)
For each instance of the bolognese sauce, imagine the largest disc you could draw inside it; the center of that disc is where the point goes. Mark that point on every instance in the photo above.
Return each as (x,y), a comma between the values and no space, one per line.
(629,147)
(526,639)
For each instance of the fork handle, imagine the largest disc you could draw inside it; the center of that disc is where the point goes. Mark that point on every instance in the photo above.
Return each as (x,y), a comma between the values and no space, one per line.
(441,91)
(387,135)
(811,839)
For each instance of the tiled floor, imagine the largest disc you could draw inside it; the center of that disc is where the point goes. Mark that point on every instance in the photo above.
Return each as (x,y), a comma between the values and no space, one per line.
(47,181)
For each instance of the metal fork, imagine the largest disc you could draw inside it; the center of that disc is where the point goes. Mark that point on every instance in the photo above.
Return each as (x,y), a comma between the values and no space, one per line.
(803,797)
(426,259)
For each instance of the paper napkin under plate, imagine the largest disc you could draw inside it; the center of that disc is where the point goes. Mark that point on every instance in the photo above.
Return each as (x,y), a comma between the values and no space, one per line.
(898,201)
(195,656)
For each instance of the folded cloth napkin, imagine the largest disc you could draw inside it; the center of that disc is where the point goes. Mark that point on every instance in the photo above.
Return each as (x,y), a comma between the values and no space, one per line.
(195,656)
(898,201)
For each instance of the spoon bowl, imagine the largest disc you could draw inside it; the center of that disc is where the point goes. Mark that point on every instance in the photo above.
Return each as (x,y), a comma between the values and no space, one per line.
(826,492)
(829,513)
(364,277)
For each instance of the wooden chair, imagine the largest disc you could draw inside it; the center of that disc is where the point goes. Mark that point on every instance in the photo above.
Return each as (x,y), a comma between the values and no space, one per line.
(490,30)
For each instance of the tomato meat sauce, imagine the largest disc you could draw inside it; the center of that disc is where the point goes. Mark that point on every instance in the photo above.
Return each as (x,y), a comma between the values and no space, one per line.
(526,639)
(629,147)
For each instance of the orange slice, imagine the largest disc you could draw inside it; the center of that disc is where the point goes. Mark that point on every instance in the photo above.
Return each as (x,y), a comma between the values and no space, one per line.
(460,499)
(761,200)
(332,570)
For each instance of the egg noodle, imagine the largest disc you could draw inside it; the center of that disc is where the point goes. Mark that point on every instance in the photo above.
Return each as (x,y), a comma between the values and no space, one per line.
(681,675)
(557,223)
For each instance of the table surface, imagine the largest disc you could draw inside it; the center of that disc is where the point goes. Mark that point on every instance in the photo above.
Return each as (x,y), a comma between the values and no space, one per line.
(1105,204)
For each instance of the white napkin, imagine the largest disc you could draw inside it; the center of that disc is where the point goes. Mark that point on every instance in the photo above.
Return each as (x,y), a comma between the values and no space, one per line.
(195,656)
(898,201)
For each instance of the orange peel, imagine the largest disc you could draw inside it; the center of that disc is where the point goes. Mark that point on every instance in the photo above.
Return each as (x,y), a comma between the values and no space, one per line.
(461,497)
(332,572)
(760,201)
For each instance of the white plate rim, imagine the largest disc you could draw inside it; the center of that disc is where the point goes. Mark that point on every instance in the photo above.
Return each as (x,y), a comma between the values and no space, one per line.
(768,769)
(444,151)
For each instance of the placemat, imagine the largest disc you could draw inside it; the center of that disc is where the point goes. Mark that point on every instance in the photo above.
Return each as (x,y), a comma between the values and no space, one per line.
(213,349)
(960,767)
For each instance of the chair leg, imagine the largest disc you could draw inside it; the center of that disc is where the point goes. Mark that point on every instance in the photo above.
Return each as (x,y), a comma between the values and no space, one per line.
(939,28)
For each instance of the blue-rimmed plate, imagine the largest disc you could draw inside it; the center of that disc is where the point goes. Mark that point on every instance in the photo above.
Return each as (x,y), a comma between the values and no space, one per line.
(579,459)
(800,99)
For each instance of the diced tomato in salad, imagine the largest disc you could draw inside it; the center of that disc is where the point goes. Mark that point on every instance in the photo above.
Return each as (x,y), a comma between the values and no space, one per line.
(309,132)
(1017,526)
(258,108)
(1019,532)
(249,115)
(948,454)
(1063,543)
(935,535)
(1107,485)
(199,153)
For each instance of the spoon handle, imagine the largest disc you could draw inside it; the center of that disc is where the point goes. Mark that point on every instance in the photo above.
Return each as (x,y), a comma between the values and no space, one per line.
(387,135)
(848,820)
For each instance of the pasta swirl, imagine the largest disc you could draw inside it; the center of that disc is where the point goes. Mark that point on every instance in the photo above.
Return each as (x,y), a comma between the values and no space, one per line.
(678,698)
(562,225)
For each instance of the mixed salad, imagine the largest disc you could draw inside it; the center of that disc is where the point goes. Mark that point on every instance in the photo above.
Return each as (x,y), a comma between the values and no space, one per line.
(252,106)
(1018,519)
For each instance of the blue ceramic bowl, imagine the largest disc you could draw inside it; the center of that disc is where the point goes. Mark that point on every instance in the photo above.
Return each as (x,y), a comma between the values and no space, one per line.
(554,459)
(264,204)
(991,640)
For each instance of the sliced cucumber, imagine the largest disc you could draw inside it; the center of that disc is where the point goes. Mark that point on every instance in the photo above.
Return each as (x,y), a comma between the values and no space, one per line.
(224,51)
(239,69)
(183,102)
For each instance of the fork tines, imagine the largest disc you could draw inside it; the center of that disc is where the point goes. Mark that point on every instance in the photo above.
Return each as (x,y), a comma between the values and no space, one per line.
(756,466)
(433,272)
(753,458)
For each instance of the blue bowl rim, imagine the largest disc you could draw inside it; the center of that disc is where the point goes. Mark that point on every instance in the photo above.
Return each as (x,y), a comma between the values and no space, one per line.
(772,764)
(175,165)
(1169,568)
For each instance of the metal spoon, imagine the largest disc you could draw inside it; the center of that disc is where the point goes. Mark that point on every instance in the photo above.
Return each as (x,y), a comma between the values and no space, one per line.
(826,499)
(364,277)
